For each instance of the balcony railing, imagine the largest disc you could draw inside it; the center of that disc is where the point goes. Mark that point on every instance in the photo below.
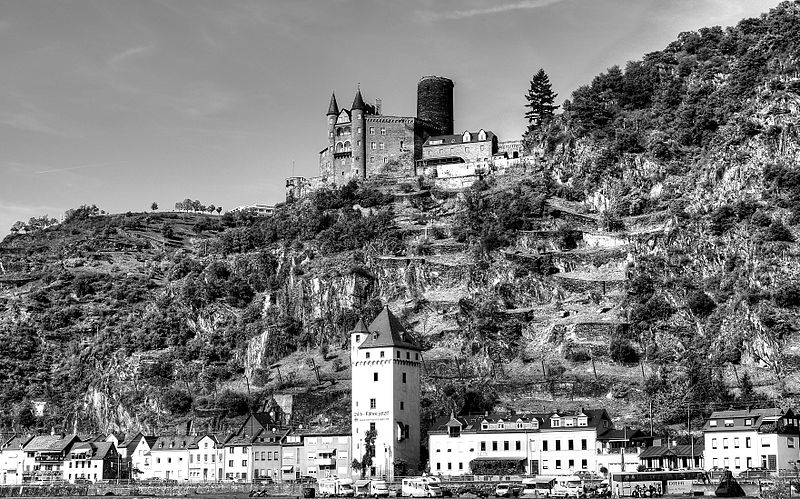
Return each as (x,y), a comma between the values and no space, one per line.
(49,458)
(618,450)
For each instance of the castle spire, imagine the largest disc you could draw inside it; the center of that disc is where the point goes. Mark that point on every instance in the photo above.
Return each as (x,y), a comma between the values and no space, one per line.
(358,102)
(333,108)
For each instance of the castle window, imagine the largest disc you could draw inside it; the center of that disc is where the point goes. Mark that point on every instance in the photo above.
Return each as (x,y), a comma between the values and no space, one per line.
(367,354)
(381,353)
(373,403)
(383,146)
(404,377)
(402,405)
(358,338)
(373,145)
(401,145)
(385,160)
(372,159)
(466,149)
(372,130)
(374,376)
(383,131)
(482,147)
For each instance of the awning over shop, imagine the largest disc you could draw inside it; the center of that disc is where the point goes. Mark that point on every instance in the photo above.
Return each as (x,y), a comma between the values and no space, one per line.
(326,451)
(287,469)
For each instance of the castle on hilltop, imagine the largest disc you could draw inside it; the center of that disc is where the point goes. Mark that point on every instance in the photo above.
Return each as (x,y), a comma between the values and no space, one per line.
(364,143)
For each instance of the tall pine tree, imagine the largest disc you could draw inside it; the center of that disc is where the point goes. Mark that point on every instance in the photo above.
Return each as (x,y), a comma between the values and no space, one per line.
(541,100)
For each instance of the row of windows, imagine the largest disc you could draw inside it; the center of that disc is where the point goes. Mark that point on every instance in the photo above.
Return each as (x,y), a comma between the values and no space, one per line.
(230,463)
(570,464)
(266,456)
(767,461)
(748,442)
(83,464)
(205,458)
(381,353)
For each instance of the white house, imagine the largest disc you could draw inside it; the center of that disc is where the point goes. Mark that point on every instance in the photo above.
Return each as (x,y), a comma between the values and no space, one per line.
(385,372)
(237,458)
(737,440)
(91,461)
(509,444)
(43,458)
(206,460)
(141,461)
(170,457)
(11,456)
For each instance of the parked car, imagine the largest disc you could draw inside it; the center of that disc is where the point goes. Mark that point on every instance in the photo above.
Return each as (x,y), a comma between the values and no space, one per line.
(502,490)
(307,479)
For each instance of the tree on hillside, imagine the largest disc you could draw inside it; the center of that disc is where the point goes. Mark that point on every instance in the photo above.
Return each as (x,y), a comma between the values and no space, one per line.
(154,206)
(541,102)
(219,210)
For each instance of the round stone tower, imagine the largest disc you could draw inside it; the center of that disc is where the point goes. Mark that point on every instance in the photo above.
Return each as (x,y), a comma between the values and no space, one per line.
(435,102)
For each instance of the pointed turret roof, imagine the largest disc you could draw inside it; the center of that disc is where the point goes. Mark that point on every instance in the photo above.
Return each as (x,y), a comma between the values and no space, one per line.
(333,108)
(358,102)
(386,331)
(360,327)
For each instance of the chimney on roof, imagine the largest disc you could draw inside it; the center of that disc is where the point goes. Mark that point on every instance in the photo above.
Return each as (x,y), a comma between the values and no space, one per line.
(378,106)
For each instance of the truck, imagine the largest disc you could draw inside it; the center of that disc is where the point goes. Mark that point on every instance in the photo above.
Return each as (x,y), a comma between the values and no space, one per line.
(336,487)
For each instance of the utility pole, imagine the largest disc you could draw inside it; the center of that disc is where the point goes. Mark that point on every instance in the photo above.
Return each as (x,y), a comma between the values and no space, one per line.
(689,429)
(651,417)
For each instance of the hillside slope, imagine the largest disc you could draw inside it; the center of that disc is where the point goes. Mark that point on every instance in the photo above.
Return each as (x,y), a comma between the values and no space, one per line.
(648,254)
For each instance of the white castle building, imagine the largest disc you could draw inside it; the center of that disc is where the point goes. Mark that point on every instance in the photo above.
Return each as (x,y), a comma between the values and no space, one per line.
(385,367)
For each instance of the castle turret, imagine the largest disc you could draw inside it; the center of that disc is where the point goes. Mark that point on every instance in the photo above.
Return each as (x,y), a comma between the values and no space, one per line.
(326,166)
(359,136)
(435,102)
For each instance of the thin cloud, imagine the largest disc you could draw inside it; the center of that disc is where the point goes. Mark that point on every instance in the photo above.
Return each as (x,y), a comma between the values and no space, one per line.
(496,9)
(129,54)
(30,122)
(80,167)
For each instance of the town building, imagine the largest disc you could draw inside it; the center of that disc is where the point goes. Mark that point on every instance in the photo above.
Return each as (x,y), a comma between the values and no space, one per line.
(91,461)
(268,454)
(385,368)
(327,455)
(618,449)
(293,455)
(673,457)
(141,460)
(236,458)
(206,459)
(11,458)
(44,455)
(261,210)
(766,438)
(170,457)
(511,444)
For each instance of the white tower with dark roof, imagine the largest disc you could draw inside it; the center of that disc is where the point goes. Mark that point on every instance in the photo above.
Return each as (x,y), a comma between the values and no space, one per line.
(385,366)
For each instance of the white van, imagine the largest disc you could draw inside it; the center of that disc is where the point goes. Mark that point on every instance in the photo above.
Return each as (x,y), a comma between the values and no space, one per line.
(420,487)
(371,488)
(336,487)
(570,486)
(537,487)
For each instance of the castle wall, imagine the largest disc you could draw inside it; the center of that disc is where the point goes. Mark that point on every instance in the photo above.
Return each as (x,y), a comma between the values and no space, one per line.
(391,146)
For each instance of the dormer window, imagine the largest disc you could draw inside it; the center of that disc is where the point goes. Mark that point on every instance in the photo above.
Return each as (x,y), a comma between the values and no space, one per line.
(555,423)
(728,423)
(712,423)
(374,336)
(482,135)
(454,431)
(748,422)
(467,137)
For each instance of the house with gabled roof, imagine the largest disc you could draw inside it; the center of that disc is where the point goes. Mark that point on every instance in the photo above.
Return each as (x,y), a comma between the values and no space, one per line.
(141,459)
(170,457)
(44,456)
(206,459)
(11,457)
(741,439)
(91,461)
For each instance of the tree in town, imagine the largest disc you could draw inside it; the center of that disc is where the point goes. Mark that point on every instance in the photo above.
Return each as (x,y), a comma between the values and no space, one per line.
(369,451)
(219,210)
(154,206)
(541,102)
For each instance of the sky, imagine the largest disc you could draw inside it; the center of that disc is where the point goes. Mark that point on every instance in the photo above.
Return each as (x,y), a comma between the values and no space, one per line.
(121,103)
